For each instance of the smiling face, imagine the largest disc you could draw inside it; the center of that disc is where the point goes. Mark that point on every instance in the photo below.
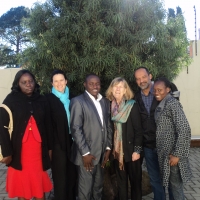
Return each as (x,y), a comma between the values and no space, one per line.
(143,79)
(118,91)
(93,85)
(59,82)
(27,84)
(160,90)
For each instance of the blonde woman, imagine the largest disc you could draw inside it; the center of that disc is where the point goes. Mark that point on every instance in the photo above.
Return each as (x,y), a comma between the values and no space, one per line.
(127,144)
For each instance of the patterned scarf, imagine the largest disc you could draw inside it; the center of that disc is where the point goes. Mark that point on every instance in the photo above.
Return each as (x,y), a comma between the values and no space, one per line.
(64,98)
(120,115)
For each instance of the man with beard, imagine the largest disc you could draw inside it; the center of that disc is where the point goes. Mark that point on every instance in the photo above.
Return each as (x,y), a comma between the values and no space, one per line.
(147,105)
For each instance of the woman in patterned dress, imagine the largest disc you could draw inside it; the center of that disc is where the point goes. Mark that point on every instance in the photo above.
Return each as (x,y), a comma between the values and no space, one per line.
(172,139)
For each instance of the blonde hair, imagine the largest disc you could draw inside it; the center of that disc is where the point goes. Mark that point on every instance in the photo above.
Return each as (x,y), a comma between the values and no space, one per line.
(129,93)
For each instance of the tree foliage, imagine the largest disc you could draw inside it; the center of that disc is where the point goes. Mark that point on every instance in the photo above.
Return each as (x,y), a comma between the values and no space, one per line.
(7,56)
(12,30)
(109,38)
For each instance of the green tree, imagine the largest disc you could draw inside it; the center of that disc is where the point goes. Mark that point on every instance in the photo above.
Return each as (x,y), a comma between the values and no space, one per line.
(12,30)
(171,13)
(109,38)
(7,56)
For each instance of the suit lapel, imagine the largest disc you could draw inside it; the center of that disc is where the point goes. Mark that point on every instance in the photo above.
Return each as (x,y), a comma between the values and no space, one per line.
(103,107)
(91,104)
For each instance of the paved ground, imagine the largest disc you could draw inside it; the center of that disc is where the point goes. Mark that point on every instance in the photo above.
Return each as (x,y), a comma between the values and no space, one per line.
(191,189)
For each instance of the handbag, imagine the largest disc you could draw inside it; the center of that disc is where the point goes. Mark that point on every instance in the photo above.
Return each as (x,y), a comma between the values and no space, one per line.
(10,125)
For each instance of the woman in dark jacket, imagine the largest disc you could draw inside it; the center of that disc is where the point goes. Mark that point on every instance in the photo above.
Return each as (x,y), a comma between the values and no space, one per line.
(127,144)
(28,152)
(63,171)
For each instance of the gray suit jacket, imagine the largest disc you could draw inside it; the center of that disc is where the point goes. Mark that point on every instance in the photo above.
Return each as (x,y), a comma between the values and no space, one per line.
(87,130)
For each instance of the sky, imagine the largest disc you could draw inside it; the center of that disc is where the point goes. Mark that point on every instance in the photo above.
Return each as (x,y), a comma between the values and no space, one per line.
(187,7)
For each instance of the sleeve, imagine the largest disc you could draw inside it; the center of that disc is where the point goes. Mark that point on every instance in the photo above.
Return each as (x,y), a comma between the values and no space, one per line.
(48,125)
(182,130)
(137,126)
(109,127)
(76,126)
(5,141)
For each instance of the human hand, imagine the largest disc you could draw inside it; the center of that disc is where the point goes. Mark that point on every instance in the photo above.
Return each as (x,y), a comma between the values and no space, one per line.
(7,160)
(106,157)
(173,160)
(135,156)
(87,162)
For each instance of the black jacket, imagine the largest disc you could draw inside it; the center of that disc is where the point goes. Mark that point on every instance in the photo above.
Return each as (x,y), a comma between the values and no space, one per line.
(60,124)
(132,134)
(22,107)
(148,121)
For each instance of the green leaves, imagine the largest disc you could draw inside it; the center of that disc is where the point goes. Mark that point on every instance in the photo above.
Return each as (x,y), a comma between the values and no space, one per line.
(13,32)
(109,38)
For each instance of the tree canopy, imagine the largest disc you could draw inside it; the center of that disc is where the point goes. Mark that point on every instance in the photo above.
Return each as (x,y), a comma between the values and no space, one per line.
(7,56)
(109,38)
(12,31)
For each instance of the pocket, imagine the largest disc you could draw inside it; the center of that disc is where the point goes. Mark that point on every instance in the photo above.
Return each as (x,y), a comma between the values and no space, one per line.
(174,169)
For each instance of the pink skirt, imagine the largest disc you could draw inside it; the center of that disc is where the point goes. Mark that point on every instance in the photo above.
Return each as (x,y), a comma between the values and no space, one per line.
(31,181)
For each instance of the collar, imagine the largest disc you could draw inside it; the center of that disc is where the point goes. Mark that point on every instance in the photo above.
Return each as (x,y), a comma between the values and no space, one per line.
(160,107)
(99,96)
(65,94)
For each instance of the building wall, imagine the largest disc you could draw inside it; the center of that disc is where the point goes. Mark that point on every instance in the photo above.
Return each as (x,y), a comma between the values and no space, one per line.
(188,82)
(6,79)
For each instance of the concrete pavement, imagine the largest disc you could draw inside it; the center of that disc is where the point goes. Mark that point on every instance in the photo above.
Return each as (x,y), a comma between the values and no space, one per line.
(191,189)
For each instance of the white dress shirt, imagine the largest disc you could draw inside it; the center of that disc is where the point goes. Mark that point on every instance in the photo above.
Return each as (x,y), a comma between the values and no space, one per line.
(97,104)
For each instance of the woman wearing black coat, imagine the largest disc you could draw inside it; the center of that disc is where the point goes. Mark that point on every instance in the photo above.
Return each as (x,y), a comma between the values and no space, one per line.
(127,144)
(63,171)
(28,153)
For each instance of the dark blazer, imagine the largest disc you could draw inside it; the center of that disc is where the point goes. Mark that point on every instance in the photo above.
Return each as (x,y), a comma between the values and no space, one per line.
(87,130)
(132,133)
(148,121)
(22,107)
(60,124)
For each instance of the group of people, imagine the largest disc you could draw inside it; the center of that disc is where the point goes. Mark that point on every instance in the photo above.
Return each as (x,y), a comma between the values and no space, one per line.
(76,137)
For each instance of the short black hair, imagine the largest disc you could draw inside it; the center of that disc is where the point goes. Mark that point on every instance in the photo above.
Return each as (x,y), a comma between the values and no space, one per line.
(89,75)
(168,84)
(163,79)
(58,71)
(142,67)
(15,85)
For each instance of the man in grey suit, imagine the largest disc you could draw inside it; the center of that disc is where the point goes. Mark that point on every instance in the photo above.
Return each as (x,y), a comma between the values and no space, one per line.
(92,133)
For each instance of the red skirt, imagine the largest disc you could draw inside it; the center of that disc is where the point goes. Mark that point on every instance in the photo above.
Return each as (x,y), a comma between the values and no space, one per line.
(31,181)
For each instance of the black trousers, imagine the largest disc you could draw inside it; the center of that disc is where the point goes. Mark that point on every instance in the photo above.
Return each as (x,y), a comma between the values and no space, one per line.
(64,175)
(133,172)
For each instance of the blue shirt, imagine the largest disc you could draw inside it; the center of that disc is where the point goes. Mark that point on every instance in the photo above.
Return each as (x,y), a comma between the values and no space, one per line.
(147,100)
